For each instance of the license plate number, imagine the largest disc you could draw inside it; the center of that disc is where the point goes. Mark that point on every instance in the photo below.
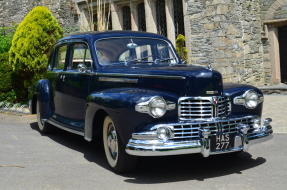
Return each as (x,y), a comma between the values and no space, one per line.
(220,142)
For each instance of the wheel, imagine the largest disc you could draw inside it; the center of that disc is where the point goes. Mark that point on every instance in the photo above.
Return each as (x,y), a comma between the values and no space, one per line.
(115,152)
(44,127)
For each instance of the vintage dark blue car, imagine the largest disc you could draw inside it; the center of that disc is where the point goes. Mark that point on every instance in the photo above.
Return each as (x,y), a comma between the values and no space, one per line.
(132,88)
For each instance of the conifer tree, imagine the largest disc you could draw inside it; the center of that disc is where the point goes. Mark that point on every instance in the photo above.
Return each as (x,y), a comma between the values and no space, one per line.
(31,44)
(180,48)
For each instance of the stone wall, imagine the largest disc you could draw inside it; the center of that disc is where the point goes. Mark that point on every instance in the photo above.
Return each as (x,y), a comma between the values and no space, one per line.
(227,34)
(63,10)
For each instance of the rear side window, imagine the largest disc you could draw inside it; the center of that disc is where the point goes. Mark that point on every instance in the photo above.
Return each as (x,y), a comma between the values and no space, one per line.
(61,57)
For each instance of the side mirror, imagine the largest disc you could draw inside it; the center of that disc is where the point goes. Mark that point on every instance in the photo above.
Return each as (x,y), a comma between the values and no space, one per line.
(82,68)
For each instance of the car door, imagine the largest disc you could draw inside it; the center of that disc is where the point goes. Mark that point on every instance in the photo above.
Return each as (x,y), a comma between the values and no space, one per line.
(55,76)
(75,86)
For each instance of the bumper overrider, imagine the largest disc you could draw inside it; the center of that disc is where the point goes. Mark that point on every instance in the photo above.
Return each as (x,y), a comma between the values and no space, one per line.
(206,137)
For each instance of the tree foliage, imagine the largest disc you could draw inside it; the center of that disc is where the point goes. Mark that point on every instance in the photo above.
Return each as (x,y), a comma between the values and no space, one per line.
(31,44)
(6,35)
(7,80)
(180,47)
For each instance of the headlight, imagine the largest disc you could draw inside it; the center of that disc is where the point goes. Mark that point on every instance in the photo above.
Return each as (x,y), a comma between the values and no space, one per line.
(155,107)
(251,99)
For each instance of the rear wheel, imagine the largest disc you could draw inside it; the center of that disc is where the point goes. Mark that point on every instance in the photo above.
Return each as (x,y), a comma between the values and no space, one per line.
(44,127)
(116,155)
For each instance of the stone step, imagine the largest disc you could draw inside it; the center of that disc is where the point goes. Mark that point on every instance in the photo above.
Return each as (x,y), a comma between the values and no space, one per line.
(274,89)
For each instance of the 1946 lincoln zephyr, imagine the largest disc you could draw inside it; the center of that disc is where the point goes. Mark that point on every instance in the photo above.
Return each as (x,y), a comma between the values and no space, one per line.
(132,90)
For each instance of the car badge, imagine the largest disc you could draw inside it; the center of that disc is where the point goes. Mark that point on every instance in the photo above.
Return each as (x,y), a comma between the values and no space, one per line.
(215,100)
(211,92)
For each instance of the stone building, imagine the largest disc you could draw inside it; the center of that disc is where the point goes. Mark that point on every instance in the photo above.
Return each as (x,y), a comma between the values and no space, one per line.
(243,39)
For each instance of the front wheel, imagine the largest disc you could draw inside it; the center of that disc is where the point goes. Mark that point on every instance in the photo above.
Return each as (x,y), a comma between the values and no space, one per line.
(116,155)
(44,127)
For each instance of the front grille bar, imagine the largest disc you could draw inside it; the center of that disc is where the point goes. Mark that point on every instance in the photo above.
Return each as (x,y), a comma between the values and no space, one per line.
(190,108)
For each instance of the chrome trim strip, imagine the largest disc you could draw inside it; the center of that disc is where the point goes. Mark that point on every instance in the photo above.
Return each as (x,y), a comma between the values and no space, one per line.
(64,128)
(140,76)
(88,138)
(123,80)
(164,150)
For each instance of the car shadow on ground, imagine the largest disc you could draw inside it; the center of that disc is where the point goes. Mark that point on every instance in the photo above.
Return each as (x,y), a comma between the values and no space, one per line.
(164,169)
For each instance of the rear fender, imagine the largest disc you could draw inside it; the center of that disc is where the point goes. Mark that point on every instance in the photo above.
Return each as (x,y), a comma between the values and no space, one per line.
(43,92)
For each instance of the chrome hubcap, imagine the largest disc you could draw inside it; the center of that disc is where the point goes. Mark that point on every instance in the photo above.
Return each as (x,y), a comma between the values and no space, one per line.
(112,141)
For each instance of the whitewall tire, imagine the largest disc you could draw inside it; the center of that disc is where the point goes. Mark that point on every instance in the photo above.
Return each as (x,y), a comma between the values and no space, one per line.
(115,152)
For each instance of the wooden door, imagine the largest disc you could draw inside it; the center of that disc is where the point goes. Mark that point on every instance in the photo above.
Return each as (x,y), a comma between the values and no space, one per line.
(282,32)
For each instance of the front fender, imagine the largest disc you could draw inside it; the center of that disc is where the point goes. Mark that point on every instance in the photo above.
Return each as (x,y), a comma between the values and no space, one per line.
(233,89)
(119,104)
(43,92)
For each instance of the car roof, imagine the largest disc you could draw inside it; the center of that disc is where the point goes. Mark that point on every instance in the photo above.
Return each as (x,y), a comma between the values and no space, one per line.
(95,35)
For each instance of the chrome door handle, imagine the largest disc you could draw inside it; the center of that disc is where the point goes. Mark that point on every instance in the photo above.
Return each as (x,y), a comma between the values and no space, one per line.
(62,77)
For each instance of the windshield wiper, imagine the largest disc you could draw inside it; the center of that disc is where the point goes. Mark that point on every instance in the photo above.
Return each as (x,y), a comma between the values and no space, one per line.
(163,60)
(139,59)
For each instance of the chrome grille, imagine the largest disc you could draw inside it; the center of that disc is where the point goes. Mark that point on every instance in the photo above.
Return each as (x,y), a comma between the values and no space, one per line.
(203,107)
(191,131)
(230,126)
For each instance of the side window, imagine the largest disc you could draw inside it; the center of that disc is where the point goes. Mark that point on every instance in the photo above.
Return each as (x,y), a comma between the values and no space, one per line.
(51,60)
(80,55)
(61,57)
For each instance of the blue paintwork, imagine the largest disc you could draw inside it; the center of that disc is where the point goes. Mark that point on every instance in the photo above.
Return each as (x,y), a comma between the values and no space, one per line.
(76,101)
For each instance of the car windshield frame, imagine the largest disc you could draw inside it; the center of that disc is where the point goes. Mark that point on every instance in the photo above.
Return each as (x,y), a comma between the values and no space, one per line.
(155,62)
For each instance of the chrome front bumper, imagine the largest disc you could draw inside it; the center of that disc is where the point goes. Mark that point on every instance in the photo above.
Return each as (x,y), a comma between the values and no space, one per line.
(147,146)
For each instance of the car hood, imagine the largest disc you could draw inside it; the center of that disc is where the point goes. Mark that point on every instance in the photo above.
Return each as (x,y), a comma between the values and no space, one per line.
(184,80)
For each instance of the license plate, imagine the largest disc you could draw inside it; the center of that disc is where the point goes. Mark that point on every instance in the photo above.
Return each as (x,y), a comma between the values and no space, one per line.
(221,142)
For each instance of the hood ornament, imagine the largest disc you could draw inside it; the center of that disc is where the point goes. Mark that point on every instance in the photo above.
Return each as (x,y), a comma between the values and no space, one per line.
(209,67)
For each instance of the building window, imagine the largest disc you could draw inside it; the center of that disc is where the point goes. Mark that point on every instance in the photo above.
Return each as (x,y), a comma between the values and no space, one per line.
(109,19)
(95,21)
(178,17)
(141,17)
(161,17)
(126,18)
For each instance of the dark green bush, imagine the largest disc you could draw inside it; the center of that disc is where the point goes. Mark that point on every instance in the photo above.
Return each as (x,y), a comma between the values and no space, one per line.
(7,93)
(6,36)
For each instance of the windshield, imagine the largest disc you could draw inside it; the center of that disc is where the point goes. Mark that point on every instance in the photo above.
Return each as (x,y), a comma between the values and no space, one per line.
(134,51)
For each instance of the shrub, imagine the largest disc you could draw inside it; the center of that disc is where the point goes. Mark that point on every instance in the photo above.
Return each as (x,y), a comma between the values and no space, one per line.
(7,93)
(31,44)
(180,47)
(6,35)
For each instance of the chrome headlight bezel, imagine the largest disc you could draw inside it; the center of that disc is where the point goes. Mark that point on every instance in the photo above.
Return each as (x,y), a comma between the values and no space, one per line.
(247,99)
(150,107)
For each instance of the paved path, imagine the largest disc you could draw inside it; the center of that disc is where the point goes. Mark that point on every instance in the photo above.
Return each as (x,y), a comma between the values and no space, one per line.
(62,160)
(275,107)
